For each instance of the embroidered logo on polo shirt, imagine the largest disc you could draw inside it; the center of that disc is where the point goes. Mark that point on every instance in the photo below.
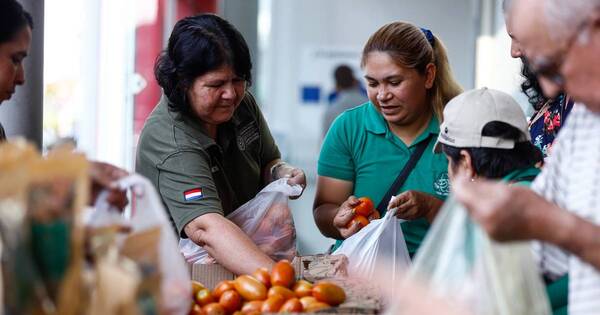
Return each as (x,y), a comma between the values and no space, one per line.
(193,194)
(247,135)
(441,185)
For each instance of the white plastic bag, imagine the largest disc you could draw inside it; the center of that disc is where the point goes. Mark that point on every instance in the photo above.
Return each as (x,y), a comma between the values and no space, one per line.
(148,212)
(266,219)
(457,260)
(378,244)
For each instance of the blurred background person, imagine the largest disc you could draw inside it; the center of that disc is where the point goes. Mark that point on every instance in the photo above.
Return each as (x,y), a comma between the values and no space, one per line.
(349,94)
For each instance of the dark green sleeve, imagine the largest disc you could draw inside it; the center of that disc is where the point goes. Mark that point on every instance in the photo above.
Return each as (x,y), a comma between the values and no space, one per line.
(183,172)
(269,150)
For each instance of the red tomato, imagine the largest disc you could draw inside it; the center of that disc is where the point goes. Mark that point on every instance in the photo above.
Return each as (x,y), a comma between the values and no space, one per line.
(311,308)
(365,207)
(362,221)
(292,305)
(329,293)
(262,275)
(221,287)
(250,288)
(252,306)
(283,291)
(283,274)
(203,297)
(213,309)
(196,310)
(231,301)
(307,300)
(303,288)
(272,304)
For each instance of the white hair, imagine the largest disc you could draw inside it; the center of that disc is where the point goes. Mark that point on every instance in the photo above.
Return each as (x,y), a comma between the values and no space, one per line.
(564,16)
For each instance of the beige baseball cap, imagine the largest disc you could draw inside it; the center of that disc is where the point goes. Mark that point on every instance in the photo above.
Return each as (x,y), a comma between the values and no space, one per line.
(467,114)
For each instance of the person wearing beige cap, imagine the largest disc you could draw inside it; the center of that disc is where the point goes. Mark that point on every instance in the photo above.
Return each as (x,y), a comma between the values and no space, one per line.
(484,134)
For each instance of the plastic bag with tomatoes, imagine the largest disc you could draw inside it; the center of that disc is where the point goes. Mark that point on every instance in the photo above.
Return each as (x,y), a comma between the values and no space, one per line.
(380,243)
(457,260)
(266,219)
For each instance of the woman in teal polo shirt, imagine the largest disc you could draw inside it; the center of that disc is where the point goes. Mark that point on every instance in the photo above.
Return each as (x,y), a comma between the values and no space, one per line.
(485,135)
(408,83)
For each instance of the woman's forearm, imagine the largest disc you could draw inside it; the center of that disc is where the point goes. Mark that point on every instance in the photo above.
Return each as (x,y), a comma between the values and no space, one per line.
(225,242)
(324,215)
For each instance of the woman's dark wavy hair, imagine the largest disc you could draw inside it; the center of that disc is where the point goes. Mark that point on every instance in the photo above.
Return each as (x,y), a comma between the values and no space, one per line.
(497,163)
(531,87)
(13,18)
(197,45)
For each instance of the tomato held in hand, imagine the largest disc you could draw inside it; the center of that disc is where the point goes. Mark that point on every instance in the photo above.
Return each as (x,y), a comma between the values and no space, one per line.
(362,221)
(365,207)
(283,274)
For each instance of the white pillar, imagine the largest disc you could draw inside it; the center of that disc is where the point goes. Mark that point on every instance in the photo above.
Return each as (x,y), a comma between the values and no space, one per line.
(22,115)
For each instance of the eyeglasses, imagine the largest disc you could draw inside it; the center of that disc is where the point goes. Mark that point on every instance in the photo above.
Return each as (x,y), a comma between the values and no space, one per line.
(550,67)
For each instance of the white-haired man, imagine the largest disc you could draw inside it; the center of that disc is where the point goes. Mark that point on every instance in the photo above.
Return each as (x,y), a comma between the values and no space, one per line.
(561,42)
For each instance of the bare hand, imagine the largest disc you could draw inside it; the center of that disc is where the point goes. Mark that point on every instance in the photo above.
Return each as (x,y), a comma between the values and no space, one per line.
(103,176)
(412,205)
(500,209)
(344,216)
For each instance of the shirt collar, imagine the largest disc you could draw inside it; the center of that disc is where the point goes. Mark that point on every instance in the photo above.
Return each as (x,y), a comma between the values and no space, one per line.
(375,123)
(192,126)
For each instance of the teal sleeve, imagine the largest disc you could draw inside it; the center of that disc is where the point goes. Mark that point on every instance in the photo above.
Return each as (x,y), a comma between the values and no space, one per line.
(335,159)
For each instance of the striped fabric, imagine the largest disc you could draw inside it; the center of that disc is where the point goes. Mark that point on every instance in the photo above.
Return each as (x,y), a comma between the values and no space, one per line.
(571,179)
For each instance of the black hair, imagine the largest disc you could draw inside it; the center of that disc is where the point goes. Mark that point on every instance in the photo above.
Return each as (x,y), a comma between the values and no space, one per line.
(344,77)
(497,163)
(197,45)
(531,87)
(13,18)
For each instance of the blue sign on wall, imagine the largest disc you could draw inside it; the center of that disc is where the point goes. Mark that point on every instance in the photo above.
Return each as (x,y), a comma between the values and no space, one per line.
(311,94)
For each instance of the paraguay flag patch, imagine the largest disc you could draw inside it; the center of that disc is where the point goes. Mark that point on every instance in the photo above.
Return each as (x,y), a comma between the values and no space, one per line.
(193,194)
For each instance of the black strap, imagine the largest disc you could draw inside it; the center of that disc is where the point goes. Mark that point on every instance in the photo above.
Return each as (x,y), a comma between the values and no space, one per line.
(410,165)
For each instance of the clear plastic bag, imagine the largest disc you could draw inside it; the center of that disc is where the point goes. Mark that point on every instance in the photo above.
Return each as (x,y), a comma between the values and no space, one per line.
(266,219)
(148,214)
(380,243)
(457,260)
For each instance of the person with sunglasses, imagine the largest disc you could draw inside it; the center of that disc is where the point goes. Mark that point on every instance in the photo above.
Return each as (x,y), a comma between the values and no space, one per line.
(562,45)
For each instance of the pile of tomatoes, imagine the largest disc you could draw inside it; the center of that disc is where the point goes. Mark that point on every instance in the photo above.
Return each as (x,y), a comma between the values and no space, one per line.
(364,213)
(266,292)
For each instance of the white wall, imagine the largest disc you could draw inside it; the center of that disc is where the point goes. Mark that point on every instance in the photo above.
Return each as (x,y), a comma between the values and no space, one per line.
(296,26)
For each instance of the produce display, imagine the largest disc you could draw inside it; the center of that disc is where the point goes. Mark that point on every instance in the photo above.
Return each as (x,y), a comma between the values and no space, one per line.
(364,213)
(276,291)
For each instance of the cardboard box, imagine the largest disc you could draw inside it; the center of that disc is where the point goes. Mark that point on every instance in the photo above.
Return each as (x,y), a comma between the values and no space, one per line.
(361,298)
